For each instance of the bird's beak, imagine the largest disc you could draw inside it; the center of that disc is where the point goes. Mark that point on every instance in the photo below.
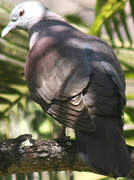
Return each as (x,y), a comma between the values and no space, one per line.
(8,28)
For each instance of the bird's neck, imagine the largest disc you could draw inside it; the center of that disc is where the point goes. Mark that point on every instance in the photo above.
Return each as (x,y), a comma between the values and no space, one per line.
(44,25)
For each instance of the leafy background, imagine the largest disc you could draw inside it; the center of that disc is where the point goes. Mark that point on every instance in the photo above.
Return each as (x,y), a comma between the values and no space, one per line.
(113,22)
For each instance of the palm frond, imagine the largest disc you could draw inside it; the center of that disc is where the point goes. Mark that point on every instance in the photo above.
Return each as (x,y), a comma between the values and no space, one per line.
(104,10)
(13,52)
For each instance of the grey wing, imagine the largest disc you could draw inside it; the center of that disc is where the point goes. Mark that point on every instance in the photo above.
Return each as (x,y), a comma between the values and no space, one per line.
(68,106)
(103,58)
(106,93)
(58,85)
(73,113)
(103,97)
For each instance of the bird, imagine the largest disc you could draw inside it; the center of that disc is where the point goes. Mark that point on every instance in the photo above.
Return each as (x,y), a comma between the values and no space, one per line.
(77,79)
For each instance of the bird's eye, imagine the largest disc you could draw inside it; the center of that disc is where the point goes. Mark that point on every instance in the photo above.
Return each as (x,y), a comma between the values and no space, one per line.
(21,13)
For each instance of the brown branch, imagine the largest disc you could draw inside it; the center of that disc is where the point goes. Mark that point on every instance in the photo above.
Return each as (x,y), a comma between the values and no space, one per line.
(26,155)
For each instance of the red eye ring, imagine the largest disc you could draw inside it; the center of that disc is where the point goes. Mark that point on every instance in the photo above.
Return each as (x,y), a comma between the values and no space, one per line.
(21,13)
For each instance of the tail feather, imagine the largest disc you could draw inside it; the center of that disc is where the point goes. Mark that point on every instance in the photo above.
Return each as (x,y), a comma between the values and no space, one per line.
(105,150)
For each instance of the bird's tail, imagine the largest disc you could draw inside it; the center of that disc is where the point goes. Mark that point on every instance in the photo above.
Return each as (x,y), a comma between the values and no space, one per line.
(105,150)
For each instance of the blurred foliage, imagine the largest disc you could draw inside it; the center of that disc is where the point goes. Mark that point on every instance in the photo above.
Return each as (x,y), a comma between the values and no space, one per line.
(18,114)
(104,10)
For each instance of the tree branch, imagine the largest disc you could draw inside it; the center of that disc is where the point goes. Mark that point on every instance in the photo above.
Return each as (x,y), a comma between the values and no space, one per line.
(26,155)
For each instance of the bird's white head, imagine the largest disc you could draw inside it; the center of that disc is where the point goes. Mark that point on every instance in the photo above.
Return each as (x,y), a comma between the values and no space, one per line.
(25,15)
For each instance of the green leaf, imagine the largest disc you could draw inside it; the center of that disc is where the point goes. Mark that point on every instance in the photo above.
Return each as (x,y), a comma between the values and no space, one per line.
(75,19)
(130,112)
(8,90)
(109,31)
(4,101)
(124,24)
(131,2)
(116,24)
(106,11)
